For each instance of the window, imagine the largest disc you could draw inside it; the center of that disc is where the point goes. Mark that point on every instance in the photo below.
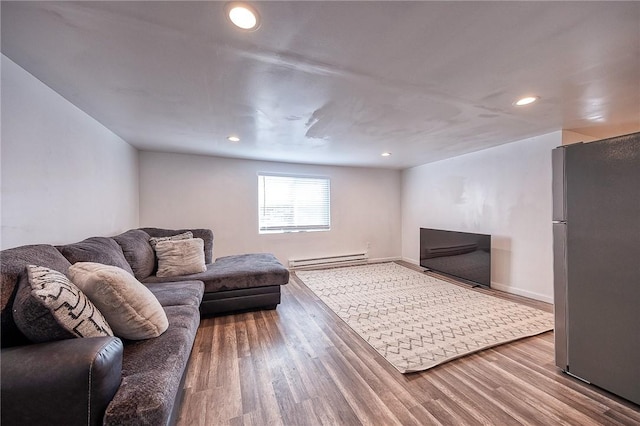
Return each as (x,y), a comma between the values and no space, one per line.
(293,203)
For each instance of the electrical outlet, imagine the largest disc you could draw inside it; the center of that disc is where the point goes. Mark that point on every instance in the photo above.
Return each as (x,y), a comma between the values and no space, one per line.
(368,246)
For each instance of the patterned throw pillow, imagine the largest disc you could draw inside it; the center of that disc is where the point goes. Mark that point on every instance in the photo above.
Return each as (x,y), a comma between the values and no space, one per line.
(50,307)
(180,257)
(184,236)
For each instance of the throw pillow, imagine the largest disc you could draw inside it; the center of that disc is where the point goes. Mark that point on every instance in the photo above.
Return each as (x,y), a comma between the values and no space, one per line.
(132,310)
(180,257)
(184,236)
(50,307)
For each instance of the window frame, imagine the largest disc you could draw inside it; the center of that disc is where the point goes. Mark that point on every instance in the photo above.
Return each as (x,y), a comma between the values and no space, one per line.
(294,228)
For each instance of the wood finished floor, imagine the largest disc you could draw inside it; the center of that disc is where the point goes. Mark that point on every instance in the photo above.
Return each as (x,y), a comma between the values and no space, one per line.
(302,365)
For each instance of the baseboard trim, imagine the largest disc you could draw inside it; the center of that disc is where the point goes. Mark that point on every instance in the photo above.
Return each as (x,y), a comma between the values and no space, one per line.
(521,292)
(505,288)
(384,259)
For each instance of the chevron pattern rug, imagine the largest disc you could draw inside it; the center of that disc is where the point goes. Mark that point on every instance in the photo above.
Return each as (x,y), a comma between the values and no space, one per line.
(416,321)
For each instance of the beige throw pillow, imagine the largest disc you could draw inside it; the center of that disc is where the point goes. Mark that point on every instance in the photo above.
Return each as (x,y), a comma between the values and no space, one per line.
(133,312)
(180,257)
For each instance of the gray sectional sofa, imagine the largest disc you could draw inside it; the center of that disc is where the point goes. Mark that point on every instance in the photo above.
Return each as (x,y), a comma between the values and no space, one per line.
(113,381)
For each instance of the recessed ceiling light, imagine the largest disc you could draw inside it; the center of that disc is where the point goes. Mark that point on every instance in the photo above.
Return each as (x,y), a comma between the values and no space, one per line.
(386,154)
(243,16)
(233,138)
(526,100)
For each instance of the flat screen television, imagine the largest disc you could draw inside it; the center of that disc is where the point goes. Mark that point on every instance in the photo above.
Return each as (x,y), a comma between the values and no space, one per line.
(463,255)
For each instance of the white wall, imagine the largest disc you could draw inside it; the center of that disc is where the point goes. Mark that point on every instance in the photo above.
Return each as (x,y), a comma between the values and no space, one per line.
(503,191)
(65,177)
(178,190)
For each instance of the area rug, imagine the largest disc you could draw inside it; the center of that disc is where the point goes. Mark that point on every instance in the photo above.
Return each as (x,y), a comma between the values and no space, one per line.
(416,321)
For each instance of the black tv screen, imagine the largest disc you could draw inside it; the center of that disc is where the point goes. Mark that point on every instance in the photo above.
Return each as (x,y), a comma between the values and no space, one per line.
(462,255)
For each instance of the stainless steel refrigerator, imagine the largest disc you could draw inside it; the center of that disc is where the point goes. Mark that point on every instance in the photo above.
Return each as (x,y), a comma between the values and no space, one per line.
(596,241)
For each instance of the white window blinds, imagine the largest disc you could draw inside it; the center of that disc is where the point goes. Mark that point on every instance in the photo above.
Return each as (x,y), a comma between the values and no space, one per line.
(293,203)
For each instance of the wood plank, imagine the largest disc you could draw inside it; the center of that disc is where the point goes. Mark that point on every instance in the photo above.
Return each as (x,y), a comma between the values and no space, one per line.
(302,365)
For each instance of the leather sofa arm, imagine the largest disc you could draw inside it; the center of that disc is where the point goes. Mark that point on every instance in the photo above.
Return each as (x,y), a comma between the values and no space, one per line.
(68,382)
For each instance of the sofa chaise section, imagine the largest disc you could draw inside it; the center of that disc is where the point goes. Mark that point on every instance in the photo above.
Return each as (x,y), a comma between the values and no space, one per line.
(231,283)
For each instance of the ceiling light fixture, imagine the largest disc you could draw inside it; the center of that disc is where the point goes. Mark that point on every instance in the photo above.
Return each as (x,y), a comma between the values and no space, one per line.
(386,154)
(526,100)
(233,138)
(243,16)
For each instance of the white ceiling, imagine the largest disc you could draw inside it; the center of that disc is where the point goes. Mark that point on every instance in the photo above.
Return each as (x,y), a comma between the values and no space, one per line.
(335,82)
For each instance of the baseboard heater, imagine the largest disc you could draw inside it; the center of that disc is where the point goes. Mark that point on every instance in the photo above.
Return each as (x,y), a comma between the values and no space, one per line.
(341,260)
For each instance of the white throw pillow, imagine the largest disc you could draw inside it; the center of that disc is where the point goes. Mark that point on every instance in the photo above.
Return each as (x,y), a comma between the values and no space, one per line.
(133,312)
(180,257)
